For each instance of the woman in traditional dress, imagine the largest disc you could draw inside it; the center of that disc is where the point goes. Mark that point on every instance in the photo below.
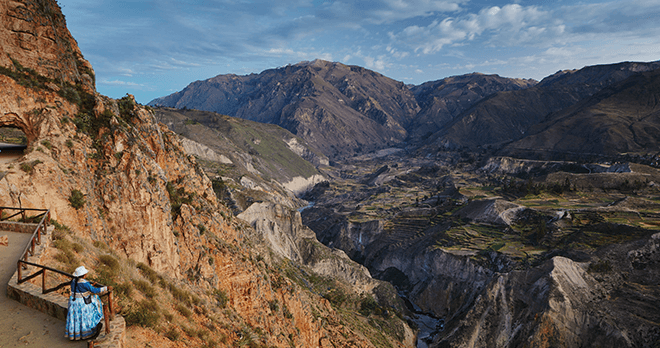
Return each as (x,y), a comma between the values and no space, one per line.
(83,321)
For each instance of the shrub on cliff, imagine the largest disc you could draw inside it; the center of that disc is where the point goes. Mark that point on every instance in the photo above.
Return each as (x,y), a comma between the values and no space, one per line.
(29,166)
(77,199)
(145,313)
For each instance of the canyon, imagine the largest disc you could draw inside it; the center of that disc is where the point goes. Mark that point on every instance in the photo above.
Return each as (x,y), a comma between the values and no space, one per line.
(326,205)
(142,215)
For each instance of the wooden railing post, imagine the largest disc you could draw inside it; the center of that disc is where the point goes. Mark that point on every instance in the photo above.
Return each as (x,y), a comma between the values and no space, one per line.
(110,306)
(23,214)
(105,318)
(20,271)
(43,281)
(32,248)
(39,235)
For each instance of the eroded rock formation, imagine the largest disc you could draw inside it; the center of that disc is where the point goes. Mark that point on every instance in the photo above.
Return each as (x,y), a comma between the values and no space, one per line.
(109,172)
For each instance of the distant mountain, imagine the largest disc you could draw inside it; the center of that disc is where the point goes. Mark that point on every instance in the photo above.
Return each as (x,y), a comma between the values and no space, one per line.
(345,110)
(443,100)
(341,110)
(624,117)
(506,117)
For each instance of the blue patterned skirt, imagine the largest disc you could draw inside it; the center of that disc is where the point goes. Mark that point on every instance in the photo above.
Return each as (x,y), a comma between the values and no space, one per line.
(82,319)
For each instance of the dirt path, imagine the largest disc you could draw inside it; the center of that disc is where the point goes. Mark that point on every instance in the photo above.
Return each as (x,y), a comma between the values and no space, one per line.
(7,156)
(21,326)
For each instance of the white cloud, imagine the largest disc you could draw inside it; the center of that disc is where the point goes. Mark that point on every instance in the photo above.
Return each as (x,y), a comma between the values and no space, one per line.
(396,10)
(507,25)
(120,83)
(375,63)
(298,55)
(532,26)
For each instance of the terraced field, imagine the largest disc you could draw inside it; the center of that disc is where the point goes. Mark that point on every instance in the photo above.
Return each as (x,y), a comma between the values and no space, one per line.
(417,204)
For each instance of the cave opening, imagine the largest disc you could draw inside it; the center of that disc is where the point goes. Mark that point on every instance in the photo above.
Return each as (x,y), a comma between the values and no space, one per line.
(13,143)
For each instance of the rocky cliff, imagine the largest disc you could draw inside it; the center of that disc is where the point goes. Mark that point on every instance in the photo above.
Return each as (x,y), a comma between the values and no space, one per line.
(33,36)
(122,189)
(568,304)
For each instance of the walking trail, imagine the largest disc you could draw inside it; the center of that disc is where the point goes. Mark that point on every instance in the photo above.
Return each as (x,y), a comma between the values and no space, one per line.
(21,326)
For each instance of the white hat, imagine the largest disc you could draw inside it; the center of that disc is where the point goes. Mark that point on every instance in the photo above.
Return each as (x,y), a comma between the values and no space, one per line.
(80,271)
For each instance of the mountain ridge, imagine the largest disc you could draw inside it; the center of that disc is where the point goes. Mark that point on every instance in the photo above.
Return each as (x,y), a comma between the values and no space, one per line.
(318,101)
(345,111)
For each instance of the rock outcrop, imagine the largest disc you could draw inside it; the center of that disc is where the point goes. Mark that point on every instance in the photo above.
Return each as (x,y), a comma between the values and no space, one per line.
(33,35)
(114,177)
(288,237)
(491,211)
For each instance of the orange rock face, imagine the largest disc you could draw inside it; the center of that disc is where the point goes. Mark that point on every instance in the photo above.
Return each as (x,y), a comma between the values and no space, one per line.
(112,174)
(33,33)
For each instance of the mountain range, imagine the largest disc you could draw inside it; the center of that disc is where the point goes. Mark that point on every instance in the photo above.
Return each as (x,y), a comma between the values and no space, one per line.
(349,110)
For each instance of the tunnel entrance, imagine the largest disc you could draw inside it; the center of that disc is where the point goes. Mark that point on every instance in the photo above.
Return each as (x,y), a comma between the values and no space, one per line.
(13,142)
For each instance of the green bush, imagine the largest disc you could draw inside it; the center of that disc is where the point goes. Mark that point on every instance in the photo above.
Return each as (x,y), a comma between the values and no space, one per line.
(123,290)
(77,199)
(178,197)
(29,166)
(336,297)
(274,305)
(69,260)
(110,262)
(47,144)
(190,331)
(368,305)
(172,334)
(77,247)
(149,273)
(126,108)
(287,312)
(180,295)
(145,313)
(59,227)
(145,288)
(62,243)
(183,310)
(221,297)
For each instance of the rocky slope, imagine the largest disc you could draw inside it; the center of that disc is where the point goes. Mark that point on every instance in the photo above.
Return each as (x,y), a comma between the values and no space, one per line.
(340,110)
(568,304)
(624,117)
(248,161)
(122,190)
(443,100)
(510,116)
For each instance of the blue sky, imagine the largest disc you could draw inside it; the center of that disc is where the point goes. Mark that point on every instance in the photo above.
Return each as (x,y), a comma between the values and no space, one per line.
(153,48)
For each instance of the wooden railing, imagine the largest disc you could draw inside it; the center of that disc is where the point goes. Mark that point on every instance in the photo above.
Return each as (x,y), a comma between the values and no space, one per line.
(42,226)
(21,265)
